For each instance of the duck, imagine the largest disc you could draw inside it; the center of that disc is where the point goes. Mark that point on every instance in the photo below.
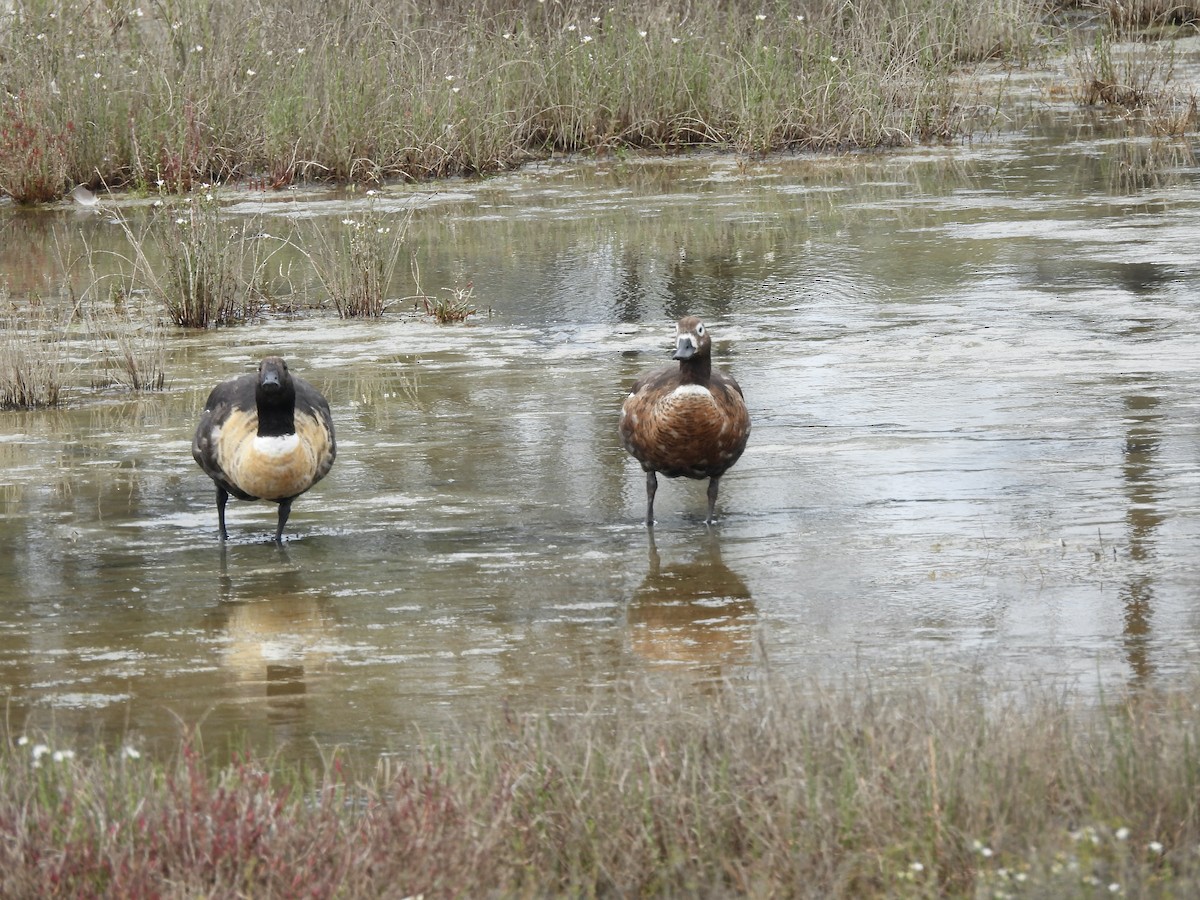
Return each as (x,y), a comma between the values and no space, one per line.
(688,420)
(267,435)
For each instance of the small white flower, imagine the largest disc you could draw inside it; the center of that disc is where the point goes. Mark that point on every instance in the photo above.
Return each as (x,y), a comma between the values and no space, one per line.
(22,741)
(38,751)
(161,183)
(833,59)
(81,56)
(61,755)
(132,753)
(198,48)
(595,20)
(508,35)
(372,192)
(917,867)
(138,12)
(761,17)
(97,75)
(587,39)
(175,26)
(642,33)
(1121,833)
(570,28)
(41,37)
(251,73)
(300,51)
(181,221)
(1155,847)
(985,852)
(451,77)
(1114,888)
(676,40)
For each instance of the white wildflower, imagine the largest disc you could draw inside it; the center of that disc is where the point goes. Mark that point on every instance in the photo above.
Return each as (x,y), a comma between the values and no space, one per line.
(1121,833)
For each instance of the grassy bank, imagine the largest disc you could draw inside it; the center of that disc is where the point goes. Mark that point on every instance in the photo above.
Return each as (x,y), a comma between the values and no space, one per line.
(860,792)
(174,94)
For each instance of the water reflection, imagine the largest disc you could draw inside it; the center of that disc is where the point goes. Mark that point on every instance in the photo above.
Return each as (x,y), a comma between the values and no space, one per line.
(1143,517)
(694,611)
(275,635)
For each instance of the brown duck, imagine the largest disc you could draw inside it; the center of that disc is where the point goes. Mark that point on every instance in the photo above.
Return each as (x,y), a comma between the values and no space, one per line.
(690,421)
(265,436)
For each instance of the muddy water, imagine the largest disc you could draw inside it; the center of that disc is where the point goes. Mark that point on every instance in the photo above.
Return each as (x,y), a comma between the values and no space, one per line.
(973,378)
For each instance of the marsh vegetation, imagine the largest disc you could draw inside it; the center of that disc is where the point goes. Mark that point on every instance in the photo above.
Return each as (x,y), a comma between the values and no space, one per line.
(859,790)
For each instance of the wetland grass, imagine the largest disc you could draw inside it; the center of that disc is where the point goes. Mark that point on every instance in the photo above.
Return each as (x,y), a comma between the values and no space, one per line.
(854,791)
(356,264)
(33,356)
(166,97)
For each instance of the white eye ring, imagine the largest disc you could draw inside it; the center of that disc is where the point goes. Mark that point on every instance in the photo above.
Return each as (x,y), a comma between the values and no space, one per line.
(700,330)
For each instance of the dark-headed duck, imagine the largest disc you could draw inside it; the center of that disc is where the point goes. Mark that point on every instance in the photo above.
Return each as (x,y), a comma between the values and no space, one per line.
(265,436)
(688,420)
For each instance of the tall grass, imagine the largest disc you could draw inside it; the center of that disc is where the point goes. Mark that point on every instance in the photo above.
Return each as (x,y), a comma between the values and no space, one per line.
(175,94)
(855,792)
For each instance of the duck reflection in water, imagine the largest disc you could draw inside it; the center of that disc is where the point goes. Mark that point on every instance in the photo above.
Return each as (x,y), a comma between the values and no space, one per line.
(275,632)
(697,613)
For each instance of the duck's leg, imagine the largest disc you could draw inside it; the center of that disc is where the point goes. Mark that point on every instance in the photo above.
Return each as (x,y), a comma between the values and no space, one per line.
(222,499)
(651,488)
(714,485)
(285,510)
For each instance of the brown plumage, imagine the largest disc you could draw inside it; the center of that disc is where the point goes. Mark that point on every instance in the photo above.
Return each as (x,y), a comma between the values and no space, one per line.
(265,436)
(689,420)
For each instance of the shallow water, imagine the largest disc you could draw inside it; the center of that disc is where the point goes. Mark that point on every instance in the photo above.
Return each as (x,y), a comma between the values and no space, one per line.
(972,375)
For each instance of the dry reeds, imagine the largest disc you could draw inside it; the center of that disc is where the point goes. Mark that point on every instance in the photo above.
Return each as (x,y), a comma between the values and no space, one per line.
(858,791)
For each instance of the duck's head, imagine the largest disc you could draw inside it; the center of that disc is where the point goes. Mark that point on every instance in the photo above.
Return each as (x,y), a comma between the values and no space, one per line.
(691,339)
(274,381)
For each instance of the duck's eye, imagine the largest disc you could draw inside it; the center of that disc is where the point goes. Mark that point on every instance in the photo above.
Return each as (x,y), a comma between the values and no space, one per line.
(699,331)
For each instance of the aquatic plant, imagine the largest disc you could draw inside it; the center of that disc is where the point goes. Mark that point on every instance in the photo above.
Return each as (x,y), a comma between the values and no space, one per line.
(33,358)
(356,263)
(207,91)
(203,269)
(848,790)
(455,306)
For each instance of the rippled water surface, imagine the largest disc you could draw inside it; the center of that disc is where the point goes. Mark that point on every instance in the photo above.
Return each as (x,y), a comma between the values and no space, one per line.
(973,376)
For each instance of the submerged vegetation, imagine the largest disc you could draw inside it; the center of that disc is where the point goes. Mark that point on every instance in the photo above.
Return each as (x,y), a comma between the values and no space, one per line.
(767,791)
